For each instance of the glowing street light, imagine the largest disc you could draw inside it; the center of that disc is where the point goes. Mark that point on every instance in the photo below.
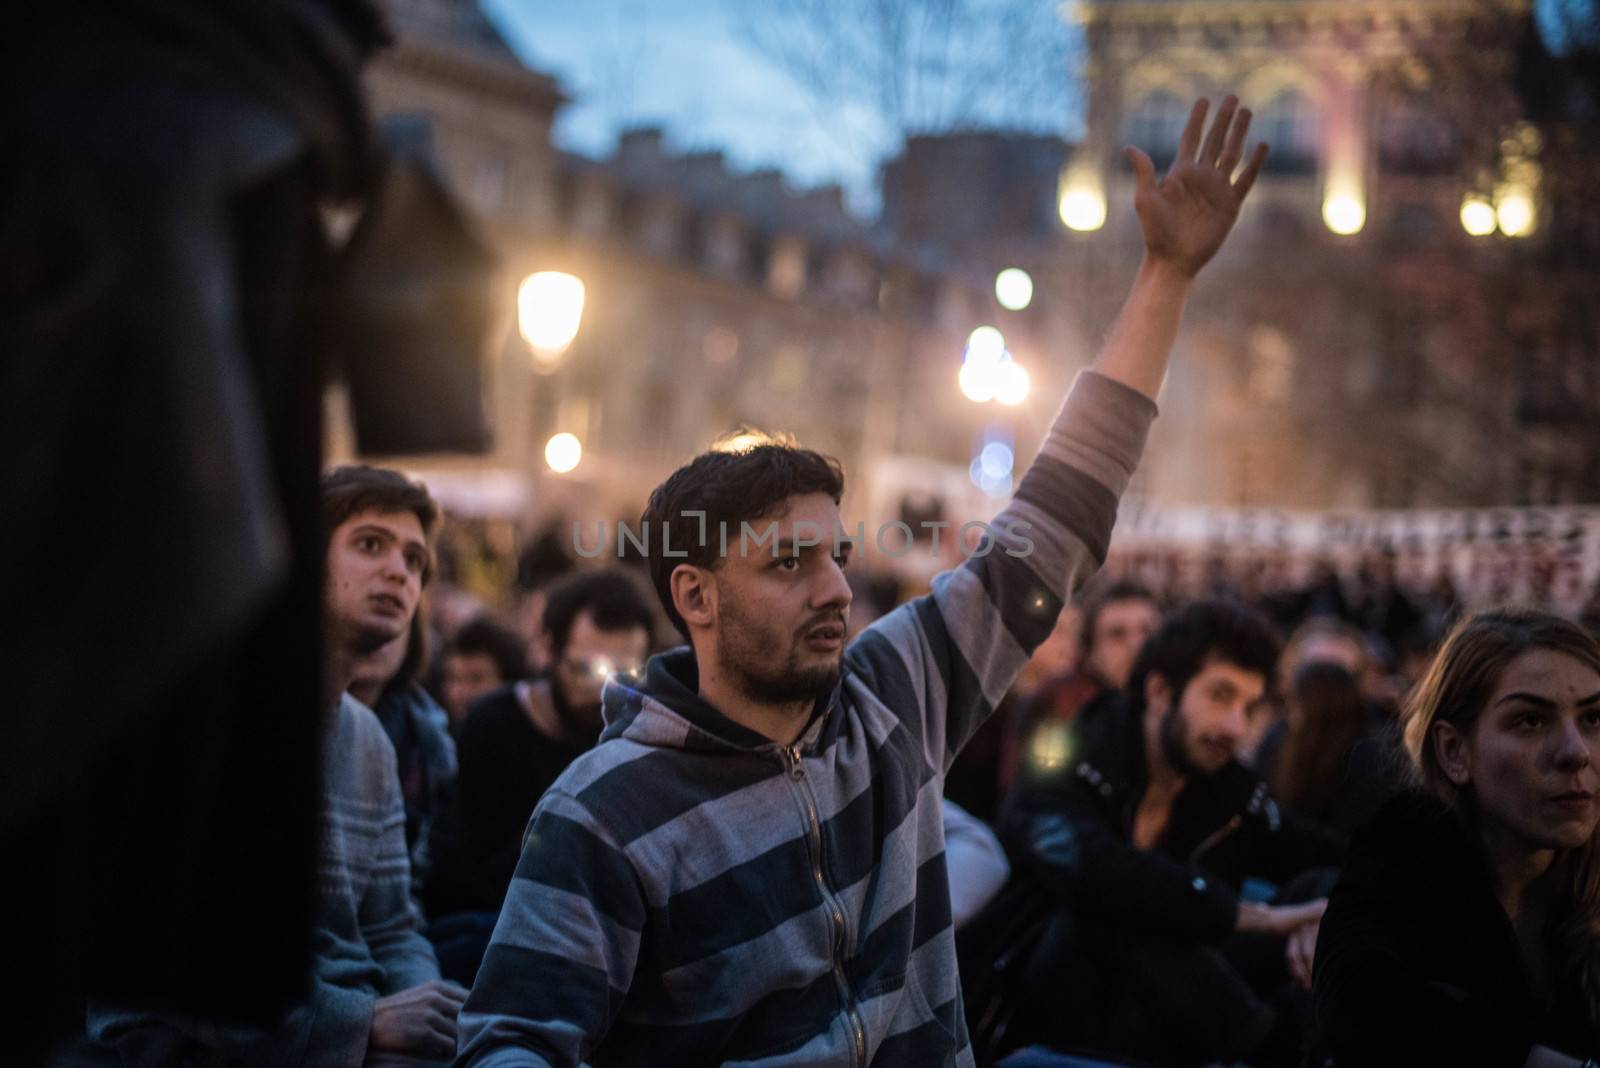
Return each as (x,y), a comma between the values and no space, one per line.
(1344,213)
(1514,211)
(1083,200)
(562,452)
(549,311)
(1477,216)
(1013,288)
(978,380)
(1004,380)
(985,345)
(1011,383)
(1083,210)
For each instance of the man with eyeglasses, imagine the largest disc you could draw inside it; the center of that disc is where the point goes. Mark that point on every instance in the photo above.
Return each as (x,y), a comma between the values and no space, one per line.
(515,742)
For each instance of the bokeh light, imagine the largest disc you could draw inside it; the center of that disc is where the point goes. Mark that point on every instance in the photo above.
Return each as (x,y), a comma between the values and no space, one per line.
(1514,211)
(549,311)
(1083,209)
(978,380)
(1344,213)
(996,460)
(1011,382)
(1013,288)
(984,345)
(1477,216)
(562,452)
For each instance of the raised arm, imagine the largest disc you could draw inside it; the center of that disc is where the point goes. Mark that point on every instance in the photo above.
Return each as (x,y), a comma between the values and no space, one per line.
(1184,216)
(952,655)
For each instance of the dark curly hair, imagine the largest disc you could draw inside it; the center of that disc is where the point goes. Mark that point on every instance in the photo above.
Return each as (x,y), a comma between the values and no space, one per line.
(1225,630)
(731,486)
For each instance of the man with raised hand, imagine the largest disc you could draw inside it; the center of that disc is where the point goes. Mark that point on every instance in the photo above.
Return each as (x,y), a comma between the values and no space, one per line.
(750,866)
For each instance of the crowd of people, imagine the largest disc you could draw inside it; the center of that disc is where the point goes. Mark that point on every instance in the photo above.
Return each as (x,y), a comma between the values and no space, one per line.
(1018,818)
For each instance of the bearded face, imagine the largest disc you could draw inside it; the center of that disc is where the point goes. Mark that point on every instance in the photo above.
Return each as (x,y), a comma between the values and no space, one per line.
(1203,729)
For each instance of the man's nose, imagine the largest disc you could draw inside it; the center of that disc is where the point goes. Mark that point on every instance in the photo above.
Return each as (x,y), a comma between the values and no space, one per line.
(833,590)
(1238,720)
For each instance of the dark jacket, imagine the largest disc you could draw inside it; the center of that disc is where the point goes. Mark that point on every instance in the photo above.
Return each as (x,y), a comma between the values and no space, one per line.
(425,757)
(1070,827)
(1417,963)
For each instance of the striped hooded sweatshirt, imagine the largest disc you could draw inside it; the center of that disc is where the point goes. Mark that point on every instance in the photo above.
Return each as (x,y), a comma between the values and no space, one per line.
(693,893)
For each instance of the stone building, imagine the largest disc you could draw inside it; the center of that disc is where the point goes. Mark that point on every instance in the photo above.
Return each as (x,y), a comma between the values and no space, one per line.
(713,300)
(1354,345)
(487,118)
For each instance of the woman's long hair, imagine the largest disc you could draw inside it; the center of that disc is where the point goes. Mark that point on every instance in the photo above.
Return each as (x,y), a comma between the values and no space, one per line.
(1326,719)
(1455,690)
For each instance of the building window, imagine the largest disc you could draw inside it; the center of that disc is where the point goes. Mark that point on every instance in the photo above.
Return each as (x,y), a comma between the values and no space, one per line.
(786,269)
(1290,124)
(1156,124)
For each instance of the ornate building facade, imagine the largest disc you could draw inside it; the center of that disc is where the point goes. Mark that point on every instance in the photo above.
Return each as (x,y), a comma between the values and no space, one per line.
(1355,345)
(713,300)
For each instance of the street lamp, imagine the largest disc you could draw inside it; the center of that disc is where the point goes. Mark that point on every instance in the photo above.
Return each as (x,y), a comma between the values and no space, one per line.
(985,377)
(562,452)
(1013,288)
(1344,213)
(1082,203)
(549,311)
(1514,211)
(1011,382)
(984,345)
(1477,216)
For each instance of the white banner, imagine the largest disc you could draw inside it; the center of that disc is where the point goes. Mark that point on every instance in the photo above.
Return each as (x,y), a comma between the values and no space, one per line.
(1550,555)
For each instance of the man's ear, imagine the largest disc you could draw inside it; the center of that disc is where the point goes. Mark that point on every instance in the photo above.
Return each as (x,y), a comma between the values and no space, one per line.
(546,647)
(1450,750)
(694,595)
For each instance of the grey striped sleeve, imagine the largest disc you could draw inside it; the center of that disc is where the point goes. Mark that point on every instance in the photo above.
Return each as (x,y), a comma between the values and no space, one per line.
(963,645)
(563,952)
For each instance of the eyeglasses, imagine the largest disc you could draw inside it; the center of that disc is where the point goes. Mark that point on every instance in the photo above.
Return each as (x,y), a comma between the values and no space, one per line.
(599,667)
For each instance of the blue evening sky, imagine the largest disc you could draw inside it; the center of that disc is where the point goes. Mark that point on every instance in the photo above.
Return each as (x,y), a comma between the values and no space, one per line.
(690,67)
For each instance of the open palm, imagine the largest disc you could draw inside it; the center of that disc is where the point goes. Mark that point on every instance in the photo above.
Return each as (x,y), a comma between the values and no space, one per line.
(1186,215)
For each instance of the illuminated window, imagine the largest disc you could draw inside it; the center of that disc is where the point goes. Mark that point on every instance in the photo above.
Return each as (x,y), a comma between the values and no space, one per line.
(786,267)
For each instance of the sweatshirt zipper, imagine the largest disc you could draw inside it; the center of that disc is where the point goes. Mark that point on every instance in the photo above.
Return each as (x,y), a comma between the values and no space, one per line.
(836,917)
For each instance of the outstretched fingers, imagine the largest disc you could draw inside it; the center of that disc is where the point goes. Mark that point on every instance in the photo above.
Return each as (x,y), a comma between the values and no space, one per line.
(1189,143)
(1247,177)
(1219,131)
(1233,147)
(1144,170)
